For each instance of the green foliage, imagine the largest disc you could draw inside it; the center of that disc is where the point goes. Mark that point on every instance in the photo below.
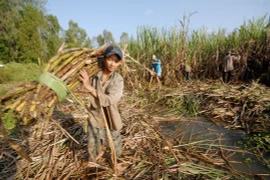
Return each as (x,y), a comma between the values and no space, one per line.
(124,39)
(76,36)
(202,49)
(15,72)
(105,38)
(50,36)
(185,104)
(9,17)
(26,32)
(247,160)
(100,40)
(29,41)
(216,86)
(10,120)
(259,144)
(4,51)
(191,104)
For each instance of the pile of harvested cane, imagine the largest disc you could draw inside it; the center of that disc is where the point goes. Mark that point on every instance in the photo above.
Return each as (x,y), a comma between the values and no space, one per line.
(58,148)
(238,105)
(244,106)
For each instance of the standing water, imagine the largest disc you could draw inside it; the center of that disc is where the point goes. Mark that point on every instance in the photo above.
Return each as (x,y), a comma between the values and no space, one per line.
(200,130)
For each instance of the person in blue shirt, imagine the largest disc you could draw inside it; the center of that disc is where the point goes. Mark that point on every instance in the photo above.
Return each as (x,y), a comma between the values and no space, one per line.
(156,67)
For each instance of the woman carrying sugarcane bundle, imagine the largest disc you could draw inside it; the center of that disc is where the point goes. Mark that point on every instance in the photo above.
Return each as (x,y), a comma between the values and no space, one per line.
(106,89)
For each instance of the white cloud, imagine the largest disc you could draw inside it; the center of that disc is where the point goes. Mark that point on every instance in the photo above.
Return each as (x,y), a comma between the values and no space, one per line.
(149,12)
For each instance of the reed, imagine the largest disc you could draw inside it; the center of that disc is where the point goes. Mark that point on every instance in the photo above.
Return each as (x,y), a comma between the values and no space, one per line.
(202,49)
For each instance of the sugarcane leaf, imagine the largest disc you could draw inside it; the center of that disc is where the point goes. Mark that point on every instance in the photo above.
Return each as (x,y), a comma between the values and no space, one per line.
(53,82)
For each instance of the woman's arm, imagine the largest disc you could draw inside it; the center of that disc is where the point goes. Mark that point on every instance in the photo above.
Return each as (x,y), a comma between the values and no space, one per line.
(84,77)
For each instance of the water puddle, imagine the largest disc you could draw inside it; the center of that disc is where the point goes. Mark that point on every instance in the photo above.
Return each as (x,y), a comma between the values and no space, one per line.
(199,129)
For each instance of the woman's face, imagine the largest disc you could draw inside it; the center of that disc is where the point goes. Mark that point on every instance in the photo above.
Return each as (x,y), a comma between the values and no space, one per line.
(112,62)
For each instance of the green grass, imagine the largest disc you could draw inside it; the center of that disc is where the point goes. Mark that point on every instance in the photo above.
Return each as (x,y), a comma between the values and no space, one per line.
(10,120)
(12,75)
(16,72)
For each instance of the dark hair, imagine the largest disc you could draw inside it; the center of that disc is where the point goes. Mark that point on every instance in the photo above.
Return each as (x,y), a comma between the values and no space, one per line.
(101,63)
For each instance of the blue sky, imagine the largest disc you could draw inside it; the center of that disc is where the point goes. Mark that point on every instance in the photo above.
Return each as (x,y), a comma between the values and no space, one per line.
(119,16)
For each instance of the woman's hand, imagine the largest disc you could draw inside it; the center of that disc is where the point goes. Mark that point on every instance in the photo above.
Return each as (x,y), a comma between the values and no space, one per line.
(84,77)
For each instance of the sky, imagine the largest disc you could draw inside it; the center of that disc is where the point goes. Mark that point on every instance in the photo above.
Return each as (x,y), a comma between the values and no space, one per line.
(118,16)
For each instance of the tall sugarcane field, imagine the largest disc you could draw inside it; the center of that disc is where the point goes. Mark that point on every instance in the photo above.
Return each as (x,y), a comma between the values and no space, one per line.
(197,128)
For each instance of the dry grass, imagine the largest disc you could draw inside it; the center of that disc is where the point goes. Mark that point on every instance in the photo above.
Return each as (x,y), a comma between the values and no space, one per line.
(58,147)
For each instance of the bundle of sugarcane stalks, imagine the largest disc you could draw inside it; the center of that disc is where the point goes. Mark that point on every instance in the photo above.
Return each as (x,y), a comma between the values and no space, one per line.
(35,100)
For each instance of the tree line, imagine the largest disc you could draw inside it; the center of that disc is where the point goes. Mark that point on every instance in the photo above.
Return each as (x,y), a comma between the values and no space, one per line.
(28,33)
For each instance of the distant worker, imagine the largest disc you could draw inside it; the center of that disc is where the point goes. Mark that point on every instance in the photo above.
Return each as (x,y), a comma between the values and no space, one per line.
(228,66)
(186,69)
(156,67)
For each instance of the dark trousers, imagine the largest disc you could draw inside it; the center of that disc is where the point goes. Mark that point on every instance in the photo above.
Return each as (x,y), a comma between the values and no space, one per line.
(186,75)
(228,78)
(97,139)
